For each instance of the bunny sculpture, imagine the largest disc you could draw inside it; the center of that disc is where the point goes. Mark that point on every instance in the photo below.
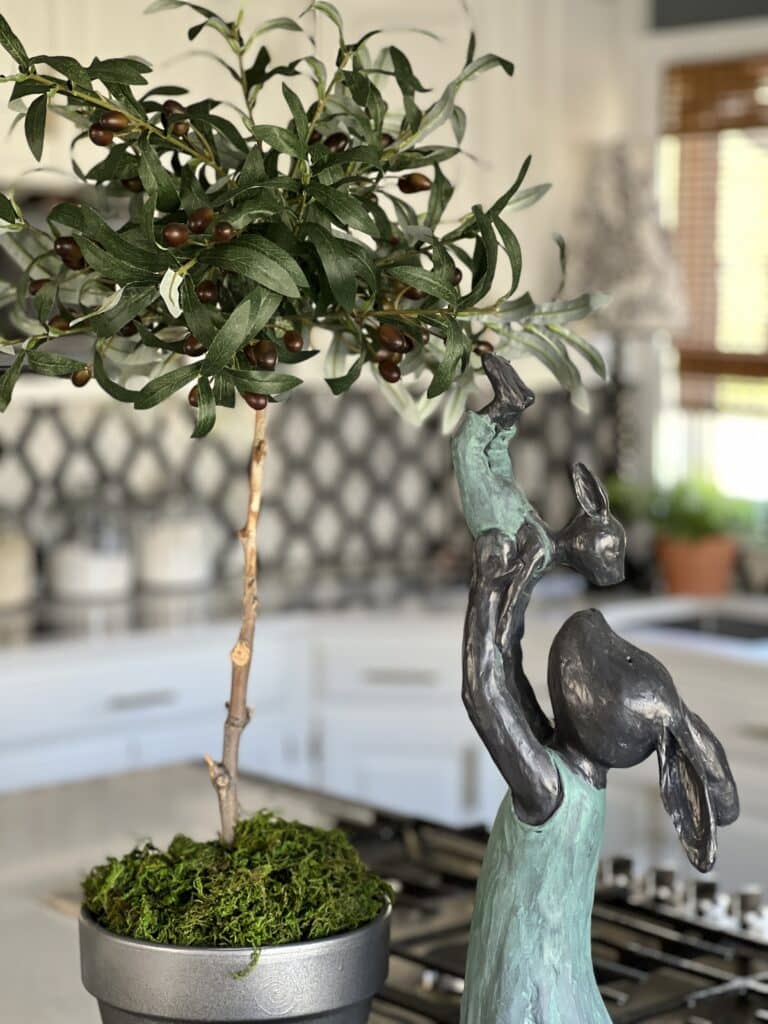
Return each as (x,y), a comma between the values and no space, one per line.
(613,705)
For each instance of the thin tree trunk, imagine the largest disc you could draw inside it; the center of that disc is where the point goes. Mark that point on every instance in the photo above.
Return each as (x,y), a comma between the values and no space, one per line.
(224,773)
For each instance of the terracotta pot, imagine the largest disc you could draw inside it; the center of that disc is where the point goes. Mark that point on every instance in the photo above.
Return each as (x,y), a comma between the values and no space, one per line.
(702,566)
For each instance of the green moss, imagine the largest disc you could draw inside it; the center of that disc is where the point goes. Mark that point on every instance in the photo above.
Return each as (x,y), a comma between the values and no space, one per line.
(281,882)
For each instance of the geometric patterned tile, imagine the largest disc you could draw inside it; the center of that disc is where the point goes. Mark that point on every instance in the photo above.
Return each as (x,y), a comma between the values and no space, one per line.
(347,483)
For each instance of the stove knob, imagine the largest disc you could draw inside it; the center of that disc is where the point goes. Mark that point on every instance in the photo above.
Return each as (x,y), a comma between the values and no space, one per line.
(603,873)
(705,894)
(750,903)
(621,871)
(663,884)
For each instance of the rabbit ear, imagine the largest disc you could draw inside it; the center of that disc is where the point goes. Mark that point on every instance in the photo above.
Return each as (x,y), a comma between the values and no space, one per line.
(686,796)
(590,492)
(720,781)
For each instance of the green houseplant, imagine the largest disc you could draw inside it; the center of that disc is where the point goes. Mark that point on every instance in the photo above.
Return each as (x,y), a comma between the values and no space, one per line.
(205,246)
(694,524)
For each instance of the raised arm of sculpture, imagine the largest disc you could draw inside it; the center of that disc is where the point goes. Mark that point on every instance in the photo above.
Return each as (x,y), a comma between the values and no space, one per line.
(497,695)
(514,548)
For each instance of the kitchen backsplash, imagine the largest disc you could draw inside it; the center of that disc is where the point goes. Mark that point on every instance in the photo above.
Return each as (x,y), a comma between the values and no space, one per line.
(349,486)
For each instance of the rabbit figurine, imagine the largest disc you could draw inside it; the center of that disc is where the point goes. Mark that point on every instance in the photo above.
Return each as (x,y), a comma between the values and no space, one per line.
(529,958)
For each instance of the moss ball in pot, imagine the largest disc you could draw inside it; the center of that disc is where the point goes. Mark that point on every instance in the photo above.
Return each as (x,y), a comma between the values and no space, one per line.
(287,924)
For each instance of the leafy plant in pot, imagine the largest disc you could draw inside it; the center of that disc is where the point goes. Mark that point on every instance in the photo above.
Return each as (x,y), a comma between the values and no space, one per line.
(206,249)
(694,526)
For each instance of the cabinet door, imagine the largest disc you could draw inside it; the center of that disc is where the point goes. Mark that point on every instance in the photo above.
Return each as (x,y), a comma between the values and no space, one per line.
(266,748)
(413,764)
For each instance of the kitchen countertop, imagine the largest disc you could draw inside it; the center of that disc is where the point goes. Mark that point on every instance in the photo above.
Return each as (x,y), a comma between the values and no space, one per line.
(50,837)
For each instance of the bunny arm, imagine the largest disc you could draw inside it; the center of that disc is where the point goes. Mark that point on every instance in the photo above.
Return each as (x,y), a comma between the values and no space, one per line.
(492,499)
(495,693)
(532,564)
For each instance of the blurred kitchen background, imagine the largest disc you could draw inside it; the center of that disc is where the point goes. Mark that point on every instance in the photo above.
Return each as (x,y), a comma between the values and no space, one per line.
(651,120)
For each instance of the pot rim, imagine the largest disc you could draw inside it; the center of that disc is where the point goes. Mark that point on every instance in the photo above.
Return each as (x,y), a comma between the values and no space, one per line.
(88,920)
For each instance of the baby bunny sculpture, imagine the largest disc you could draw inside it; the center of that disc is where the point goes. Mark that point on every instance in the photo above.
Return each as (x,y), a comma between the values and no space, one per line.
(529,959)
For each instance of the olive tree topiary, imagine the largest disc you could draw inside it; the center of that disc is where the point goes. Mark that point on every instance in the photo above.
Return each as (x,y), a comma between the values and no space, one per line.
(207,244)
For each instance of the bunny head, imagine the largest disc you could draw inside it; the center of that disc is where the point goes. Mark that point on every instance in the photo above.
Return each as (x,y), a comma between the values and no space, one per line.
(615,704)
(593,543)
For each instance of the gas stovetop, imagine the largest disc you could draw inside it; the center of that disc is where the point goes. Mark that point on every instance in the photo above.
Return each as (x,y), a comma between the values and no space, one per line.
(665,950)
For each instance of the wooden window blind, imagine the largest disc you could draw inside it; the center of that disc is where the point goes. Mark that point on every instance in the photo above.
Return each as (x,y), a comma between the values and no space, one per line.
(713,183)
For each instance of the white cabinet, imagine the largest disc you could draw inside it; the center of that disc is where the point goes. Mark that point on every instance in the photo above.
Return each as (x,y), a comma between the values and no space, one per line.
(388,719)
(80,708)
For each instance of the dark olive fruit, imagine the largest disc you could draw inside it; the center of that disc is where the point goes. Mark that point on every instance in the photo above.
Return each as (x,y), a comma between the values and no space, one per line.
(457,275)
(194,396)
(408,344)
(223,231)
(128,330)
(413,293)
(175,234)
(193,346)
(257,402)
(414,182)
(386,140)
(262,354)
(337,142)
(482,347)
(69,252)
(383,355)
(100,136)
(293,341)
(37,284)
(114,121)
(391,337)
(390,371)
(171,108)
(59,322)
(199,220)
(81,376)
(314,137)
(207,291)
(132,184)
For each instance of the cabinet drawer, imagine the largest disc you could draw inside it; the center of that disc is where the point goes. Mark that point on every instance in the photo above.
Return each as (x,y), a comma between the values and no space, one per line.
(99,695)
(365,667)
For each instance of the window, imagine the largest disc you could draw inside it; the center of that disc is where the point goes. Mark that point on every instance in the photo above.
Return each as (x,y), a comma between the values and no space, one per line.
(713,198)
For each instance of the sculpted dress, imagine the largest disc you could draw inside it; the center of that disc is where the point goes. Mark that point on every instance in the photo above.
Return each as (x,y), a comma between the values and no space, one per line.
(529,959)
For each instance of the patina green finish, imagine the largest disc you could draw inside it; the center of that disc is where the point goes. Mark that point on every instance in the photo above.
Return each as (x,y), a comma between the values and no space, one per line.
(529,957)
(490,495)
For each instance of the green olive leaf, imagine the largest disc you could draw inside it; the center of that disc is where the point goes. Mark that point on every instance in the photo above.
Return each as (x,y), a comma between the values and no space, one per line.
(34,125)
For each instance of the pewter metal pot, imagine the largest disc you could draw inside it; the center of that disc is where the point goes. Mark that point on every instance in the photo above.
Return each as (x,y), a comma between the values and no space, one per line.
(330,981)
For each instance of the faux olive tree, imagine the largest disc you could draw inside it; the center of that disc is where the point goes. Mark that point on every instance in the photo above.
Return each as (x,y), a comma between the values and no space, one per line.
(206,245)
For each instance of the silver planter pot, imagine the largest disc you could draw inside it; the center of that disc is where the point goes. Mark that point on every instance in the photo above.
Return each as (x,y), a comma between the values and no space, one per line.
(331,981)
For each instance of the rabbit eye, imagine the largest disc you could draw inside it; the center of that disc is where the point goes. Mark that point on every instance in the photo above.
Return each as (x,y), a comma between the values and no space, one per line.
(629,659)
